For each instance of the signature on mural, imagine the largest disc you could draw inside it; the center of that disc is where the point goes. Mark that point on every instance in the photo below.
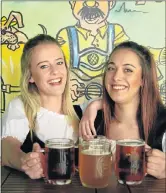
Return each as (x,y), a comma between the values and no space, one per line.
(125,10)
(142,2)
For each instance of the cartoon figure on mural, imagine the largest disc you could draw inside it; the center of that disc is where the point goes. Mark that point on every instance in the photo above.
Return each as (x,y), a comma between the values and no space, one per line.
(11,35)
(161,66)
(88,44)
(12,43)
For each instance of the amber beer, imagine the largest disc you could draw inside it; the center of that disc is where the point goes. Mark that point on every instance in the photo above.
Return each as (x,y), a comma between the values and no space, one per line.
(130,161)
(81,140)
(95,164)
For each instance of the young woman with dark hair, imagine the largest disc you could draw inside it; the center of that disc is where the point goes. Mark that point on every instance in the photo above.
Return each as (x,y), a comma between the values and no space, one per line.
(131,103)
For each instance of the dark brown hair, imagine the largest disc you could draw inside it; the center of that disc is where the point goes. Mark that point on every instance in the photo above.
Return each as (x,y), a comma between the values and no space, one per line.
(149,91)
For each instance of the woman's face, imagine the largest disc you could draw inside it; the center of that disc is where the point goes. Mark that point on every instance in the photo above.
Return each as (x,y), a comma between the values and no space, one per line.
(123,77)
(48,70)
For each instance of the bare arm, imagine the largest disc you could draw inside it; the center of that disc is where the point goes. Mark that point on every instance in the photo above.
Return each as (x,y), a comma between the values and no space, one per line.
(11,153)
(14,157)
(97,104)
(16,127)
(86,126)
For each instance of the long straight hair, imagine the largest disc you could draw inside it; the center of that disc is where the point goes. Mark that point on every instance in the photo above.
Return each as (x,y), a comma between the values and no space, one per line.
(150,99)
(29,91)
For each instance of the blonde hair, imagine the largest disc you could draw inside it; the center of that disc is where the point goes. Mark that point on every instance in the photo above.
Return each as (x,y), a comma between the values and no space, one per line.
(29,91)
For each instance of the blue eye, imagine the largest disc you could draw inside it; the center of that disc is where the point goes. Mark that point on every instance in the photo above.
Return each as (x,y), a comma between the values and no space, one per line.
(44,66)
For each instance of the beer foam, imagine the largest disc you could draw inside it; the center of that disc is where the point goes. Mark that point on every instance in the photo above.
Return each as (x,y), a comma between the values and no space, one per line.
(132,143)
(58,146)
(94,152)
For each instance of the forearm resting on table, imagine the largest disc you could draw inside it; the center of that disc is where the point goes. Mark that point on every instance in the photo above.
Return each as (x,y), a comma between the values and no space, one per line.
(11,153)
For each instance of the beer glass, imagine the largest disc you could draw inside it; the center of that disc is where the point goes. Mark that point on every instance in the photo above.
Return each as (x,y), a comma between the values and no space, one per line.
(95,163)
(58,163)
(76,147)
(130,161)
(81,140)
(97,137)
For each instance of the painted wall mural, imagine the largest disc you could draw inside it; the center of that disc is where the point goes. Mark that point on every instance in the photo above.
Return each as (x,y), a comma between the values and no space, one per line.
(87,33)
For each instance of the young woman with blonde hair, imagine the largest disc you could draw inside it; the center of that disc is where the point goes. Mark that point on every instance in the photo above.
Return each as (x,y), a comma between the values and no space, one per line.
(44,109)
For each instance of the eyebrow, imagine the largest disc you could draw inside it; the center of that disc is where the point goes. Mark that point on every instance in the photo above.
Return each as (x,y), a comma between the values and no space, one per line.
(48,61)
(123,64)
(42,62)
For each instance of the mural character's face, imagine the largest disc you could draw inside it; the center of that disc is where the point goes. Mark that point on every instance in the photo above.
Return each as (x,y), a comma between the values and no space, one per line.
(93,12)
(48,69)
(6,35)
(123,76)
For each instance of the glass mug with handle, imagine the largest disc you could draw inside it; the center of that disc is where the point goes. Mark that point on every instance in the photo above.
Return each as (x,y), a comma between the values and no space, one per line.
(76,146)
(130,161)
(95,163)
(80,141)
(58,161)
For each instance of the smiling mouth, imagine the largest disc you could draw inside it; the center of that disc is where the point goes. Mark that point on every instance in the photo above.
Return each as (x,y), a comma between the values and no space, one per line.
(56,81)
(118,87)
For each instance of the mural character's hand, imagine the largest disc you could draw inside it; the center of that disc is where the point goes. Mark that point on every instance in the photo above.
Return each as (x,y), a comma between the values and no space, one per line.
(77,89)
(13,46)
(162,56)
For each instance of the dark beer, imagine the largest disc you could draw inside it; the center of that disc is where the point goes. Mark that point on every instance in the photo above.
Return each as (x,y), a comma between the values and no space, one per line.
(130,161)
(59,162)
(76,156)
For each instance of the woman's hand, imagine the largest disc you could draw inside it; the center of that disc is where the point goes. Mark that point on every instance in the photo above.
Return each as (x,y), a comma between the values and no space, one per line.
(86,126)
(156,164)
(31,163)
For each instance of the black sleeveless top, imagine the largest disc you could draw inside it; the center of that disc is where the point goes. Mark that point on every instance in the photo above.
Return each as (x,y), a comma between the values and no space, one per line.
(154,140)
(155,135)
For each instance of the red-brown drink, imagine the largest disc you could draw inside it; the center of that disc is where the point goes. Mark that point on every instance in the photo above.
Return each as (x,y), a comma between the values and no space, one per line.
(76,157)
(130,161)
